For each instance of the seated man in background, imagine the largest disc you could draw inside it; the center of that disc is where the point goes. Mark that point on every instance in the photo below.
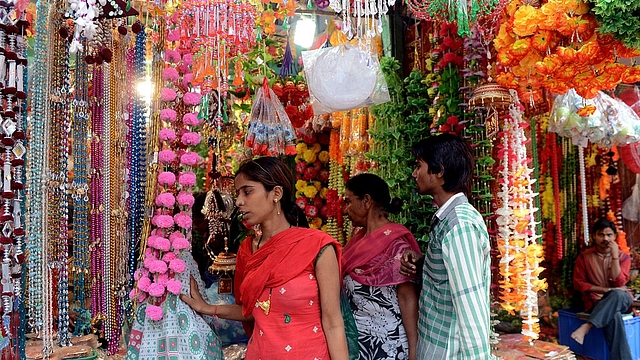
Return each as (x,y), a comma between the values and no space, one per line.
(600,275)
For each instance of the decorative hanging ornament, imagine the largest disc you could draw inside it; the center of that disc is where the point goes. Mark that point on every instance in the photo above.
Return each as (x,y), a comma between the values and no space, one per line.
(462,12)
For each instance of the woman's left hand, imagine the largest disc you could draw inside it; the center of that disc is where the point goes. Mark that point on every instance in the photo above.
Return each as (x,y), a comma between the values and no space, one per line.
(196,301)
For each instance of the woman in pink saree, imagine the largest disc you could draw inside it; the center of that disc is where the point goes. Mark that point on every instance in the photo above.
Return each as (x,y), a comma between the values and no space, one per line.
(384,302)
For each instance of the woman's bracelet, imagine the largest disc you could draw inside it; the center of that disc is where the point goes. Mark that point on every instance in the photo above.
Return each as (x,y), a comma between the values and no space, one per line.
(215,311)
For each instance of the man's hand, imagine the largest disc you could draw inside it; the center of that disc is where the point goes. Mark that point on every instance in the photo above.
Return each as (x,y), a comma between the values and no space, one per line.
(409,262)
(196,301)
(615,250)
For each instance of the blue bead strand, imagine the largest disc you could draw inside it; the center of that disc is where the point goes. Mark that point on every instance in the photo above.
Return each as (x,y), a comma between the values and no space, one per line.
(35,178)
(137,185)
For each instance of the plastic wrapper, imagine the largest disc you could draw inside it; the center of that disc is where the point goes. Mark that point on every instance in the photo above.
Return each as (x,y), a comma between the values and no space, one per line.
(343,77)
(269,132)
(601,120)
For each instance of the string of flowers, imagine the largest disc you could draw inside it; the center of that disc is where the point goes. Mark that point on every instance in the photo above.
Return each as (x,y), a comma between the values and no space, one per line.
(449,117)
(517,237)
(312,177)
(334,199)
(157,276)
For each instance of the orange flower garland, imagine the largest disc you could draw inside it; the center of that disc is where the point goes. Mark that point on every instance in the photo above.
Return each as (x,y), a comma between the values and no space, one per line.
(557,47)
(520,253)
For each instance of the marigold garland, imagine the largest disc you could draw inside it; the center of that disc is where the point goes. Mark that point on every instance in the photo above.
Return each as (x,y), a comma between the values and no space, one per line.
(530,56)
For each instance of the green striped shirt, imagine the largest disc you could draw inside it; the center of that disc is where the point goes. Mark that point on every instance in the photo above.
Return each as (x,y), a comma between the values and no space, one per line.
(454,302)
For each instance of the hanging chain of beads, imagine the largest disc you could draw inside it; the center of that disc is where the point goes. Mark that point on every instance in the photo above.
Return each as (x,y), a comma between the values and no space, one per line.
(97,207)
(118,250)
(58,180)
(35,171)
(137,152)
(80,185)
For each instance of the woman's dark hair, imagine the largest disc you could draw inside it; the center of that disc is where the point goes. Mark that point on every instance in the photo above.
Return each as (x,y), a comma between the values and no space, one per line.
(272,172)
(450,154)
(372,184)
(603,224)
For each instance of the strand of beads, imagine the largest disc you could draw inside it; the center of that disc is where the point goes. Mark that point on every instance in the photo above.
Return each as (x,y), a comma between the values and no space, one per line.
(106,194)
(80,185)
(97,184)
(137,172)
(118,250)
(57,196)
(48,262)
(35,171)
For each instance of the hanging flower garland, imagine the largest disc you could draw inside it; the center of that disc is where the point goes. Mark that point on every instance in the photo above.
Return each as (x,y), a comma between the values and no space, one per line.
(312,178)
(517,238)
(556,47)
(162,262)
(462,13)
(449,117)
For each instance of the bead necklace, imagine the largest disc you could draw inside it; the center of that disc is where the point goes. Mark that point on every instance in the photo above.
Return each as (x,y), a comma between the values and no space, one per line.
(58,163)
(97,184)
(106,195)
(80,185)
(137,148)
(35,179)
(48,263)
(118,251)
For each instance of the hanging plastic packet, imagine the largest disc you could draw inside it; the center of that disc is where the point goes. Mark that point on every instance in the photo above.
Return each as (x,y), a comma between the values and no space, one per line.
(269,132)
(343,77)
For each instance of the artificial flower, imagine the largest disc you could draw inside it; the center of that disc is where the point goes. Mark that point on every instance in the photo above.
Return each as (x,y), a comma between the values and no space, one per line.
(153,312)
(168,115)
(156,290)
(526,20)
(177,265)
(174,286)
(167,134)
(191,138)
(192,98)
(170,74)
(185,199)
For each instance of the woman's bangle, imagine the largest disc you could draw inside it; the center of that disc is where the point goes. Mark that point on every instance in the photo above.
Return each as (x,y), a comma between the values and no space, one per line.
(615,258)
(215,311)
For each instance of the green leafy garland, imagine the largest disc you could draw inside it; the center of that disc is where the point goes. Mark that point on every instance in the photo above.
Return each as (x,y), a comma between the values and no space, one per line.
(621,18)
(399,124)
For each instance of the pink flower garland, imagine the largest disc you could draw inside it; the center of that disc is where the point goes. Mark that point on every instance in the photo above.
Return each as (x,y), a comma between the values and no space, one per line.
(156,278)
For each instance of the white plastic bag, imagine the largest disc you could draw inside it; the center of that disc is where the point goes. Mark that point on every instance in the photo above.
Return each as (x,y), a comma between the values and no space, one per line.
(343,77)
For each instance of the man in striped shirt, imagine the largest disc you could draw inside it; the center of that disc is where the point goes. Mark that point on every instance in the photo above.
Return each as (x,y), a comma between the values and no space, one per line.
(454,318)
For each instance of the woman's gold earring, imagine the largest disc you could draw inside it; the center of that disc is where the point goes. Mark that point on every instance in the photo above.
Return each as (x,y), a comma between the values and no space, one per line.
(276,201)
